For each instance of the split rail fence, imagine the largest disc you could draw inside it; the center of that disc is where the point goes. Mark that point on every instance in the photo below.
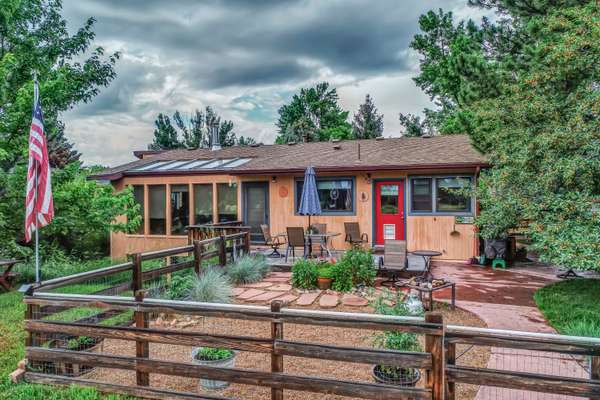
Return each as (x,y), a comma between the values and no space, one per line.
(49,304)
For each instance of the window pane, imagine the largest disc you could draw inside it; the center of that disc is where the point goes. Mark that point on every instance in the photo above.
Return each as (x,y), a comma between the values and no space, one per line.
(450,201)
(180,209)
(335,195)
(158,203)
(421,195)
(203,204)
(227,202)
(389,199)
(138,195)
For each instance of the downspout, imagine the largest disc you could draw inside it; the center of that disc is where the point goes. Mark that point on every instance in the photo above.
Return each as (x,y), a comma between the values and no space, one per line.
(477,209)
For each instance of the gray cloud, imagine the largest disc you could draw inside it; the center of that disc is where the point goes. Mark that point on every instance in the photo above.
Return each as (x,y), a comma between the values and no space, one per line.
(245,58)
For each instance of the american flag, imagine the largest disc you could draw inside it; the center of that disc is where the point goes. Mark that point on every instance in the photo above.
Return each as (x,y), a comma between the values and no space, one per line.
(38,199)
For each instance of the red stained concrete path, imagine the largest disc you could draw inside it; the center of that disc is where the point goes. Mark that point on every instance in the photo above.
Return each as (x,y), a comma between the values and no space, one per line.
(504,300)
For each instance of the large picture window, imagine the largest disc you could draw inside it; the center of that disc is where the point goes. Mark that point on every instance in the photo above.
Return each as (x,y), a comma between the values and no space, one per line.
(440,195)
(336,195)
(138,195)
(158,209)
(227,202)
(180,209)
(203,204)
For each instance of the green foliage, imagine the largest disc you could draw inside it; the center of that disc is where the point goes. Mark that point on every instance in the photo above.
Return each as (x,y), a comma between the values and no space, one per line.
(248,269)
(391,304)
(572,306)
(212,286)
(180,286)
(325,271)
(194,132)
(367,123)
(313,115)
(80,342)
(304,274)
(213,354)
(355,267)
(525,88)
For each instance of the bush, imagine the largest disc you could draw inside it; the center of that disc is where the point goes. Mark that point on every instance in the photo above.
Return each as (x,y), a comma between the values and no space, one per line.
(180,286)
(212,286)
(391,304)
(326,271)
(304,274)
(355,267)
(248,269)
(213,353)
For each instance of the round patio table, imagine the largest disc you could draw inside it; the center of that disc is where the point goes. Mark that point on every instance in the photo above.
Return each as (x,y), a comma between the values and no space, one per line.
(323,238)
(427,254)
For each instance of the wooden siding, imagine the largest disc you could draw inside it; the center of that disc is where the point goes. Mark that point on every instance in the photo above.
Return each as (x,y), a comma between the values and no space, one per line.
(422,232)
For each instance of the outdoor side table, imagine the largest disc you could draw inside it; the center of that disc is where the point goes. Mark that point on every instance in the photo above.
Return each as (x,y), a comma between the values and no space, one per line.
(429,292)
(427,254)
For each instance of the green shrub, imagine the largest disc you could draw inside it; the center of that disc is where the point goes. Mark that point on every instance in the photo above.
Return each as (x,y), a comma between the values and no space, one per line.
(248,269)
(355,267)
(212,286)
(180,286)
(326,272)
(304,274)
(391,304)
(213,354)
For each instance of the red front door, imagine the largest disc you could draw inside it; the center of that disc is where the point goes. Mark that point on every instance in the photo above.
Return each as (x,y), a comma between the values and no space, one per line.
(389,211)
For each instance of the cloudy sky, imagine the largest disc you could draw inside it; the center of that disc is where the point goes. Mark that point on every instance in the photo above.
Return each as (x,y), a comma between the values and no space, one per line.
(246,59)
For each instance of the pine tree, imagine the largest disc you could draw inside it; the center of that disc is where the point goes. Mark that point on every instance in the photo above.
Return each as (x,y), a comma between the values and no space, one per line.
(367,122)
(60,151)
(193,131)
(165,135)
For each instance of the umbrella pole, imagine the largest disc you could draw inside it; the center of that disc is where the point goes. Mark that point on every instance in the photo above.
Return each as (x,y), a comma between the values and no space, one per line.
(309,250)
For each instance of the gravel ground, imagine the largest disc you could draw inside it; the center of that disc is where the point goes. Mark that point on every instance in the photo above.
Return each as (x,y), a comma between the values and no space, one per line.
(293,365)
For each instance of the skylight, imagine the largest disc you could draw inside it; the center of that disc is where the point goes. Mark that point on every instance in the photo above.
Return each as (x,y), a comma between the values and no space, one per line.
(190,165)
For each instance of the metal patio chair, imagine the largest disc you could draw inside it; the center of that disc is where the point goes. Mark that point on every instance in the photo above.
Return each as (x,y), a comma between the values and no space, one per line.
(394,260)
(295,238)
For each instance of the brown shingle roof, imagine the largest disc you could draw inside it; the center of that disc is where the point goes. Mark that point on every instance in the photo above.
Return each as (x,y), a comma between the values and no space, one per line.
(393,153)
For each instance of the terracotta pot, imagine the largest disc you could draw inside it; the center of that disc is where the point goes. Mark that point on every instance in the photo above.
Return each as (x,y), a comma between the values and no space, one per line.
(324,283)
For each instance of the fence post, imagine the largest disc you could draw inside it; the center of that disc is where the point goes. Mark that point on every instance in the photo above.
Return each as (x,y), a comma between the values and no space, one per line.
(595,370)
(450,360)
(247,241)
(198,247)
(142,348)
(222,251)
(137,279)
(276,360)
(435,346)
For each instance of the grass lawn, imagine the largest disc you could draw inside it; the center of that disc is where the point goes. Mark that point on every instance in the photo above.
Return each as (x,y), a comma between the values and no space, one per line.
(572,306)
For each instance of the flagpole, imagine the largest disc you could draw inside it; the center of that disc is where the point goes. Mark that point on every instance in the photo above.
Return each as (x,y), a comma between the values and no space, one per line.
(37,237)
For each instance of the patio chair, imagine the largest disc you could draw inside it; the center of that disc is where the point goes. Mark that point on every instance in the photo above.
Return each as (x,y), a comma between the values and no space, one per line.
(393,261)
(274,241)
(353,235)
(295,238)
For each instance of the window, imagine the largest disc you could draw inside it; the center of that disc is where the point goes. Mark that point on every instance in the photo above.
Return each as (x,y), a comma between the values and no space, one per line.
(421,195)
(180,209)
(138,195)
(336,195)
(227,202)
(448,200)
(158,204)
(203,204)
(440,195)
(389,199)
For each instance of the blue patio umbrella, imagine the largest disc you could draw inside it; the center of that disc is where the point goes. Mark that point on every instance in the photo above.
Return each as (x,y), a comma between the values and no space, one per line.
(309,201)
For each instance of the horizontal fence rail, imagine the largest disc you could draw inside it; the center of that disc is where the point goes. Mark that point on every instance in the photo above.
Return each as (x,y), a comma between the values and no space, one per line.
(60,317)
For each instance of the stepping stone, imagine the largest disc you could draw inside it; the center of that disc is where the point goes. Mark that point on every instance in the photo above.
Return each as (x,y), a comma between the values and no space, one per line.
(328,300)
(354,300)
(258,285)
(266,296)
(250,293)
(282,287)
(280,275)
(286,298)
(237,291)
(306,299)
(276,279)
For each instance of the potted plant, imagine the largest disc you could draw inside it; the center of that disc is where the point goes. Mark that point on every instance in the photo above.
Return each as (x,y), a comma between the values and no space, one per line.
(214,357)
(324,278)
(390,304)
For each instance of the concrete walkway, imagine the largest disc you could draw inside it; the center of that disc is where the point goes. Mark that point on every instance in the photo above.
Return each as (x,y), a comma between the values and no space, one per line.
(503,299)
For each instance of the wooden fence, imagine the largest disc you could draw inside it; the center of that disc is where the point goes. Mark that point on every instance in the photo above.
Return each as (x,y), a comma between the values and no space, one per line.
(438,359)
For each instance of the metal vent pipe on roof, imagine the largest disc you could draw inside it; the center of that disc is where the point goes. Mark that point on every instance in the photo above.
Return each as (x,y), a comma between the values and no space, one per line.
(215,145)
